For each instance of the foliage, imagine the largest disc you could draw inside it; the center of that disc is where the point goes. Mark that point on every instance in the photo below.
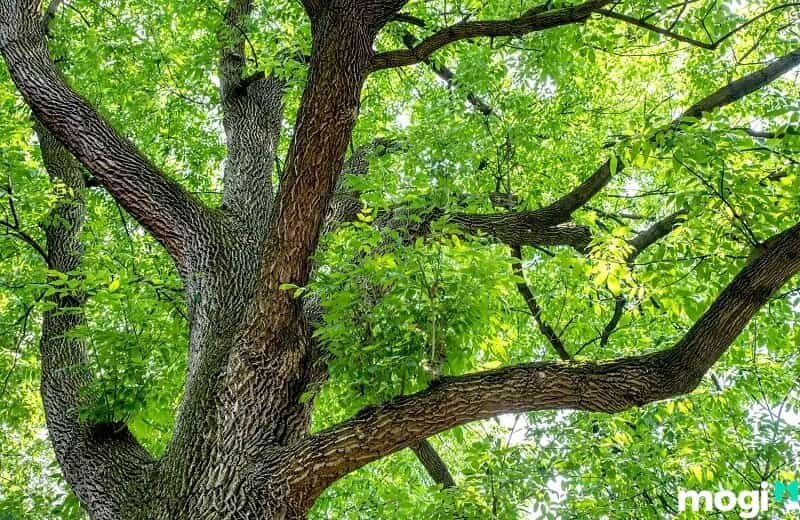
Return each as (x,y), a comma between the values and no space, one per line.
(401,312)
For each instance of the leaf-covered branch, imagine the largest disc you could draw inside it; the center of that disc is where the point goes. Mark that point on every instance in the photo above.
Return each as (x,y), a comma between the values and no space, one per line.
(640,242)
(741,87)
(670,33)
(550,225)
(14,228)
(607,386)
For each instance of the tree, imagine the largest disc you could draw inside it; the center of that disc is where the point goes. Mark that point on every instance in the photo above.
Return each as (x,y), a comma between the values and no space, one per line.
(276,317)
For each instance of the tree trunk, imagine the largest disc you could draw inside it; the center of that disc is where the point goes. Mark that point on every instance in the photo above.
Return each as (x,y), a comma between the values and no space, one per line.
(252,355)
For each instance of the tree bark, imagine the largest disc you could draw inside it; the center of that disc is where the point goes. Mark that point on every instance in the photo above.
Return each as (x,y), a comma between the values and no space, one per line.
(103,464)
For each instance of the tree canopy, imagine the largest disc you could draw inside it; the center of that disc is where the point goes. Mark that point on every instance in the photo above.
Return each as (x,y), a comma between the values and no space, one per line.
(552,221)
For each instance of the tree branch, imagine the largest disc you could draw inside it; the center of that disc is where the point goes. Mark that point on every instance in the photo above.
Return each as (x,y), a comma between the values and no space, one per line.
(50,13)
(533,305)
(640,242)
(84,449)
(656,29)
(14,228)
(160,204)
(527,228)
(232,38)
(433,463)
(642,23)
(654,233)
(740,88)
(560,210)
(447,76)
(252,109)
(608,386)
(535,19)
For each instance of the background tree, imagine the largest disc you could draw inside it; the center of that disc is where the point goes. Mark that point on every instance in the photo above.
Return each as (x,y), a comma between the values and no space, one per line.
(377,222)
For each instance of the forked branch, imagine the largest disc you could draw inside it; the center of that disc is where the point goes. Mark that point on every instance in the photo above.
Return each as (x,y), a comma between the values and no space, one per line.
(607,386)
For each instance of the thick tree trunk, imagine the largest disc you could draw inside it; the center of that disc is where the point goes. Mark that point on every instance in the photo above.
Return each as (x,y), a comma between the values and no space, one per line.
(252,354)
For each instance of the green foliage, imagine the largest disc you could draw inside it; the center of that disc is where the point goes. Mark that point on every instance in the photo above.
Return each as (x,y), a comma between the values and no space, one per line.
(401,312)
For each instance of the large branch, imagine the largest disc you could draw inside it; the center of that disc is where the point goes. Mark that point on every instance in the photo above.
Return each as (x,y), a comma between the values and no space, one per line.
(741,87)
(527,228)
(325,119)
(608,386)
(536,19)
(252,108)
(83,449)
(160,204)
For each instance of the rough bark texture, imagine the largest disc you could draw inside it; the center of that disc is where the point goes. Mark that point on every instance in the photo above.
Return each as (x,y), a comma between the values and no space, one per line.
(100,463)
(241,447)
(433,463)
